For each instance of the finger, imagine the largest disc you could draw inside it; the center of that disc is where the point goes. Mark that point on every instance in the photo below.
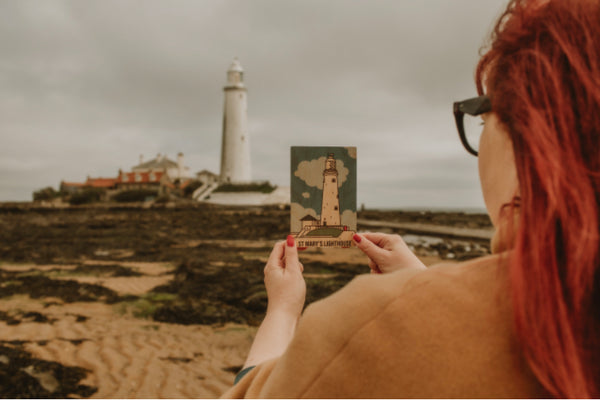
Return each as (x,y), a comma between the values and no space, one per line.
(377,237)
(277,254)
(291,253)
(374,252)
(372,264)
(374,267)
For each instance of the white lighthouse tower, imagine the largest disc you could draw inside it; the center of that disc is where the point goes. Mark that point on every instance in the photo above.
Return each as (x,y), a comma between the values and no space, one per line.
(330,208)
(235,149)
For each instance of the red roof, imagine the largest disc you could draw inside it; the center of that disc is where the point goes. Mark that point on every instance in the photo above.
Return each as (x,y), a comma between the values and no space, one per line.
(127,177)
(140,177)
(101,182)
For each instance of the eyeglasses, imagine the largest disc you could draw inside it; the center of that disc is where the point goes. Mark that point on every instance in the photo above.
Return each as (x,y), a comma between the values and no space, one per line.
(469,128)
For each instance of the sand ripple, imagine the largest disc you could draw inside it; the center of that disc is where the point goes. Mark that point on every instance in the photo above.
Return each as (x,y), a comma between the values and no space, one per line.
(133,358)
(124,285)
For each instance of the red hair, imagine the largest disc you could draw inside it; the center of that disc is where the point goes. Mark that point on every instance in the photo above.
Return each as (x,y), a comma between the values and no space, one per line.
(542,72)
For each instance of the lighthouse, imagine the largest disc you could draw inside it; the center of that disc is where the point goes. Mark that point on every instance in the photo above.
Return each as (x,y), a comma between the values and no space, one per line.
(330,207)
(235,148)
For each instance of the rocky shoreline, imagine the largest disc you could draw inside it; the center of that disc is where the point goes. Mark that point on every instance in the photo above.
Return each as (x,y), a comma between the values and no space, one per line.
(187,265)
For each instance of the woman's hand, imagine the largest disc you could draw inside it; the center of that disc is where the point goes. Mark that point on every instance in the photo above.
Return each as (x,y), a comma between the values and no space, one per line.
(286,290)
(387,253)
(285,284)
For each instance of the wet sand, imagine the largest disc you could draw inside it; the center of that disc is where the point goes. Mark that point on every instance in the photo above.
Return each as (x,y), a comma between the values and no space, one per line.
(130,357)
(126,356)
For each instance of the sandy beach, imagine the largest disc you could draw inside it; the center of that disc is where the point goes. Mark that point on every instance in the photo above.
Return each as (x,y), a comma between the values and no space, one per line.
(135,328)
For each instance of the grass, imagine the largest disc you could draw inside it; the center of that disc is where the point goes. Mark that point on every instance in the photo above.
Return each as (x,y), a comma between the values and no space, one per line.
(227,329)
(57,273)
(15,263)
(160,297)
(326,271)
(145,306)
(30,272)
(265,187)
(151,327)
(329,232)
(10,283)
(66,273)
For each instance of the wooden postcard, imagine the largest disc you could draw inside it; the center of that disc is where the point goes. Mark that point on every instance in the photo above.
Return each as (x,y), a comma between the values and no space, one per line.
(323,196)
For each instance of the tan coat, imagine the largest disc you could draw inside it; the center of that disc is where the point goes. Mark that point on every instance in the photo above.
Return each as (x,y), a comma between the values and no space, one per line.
(443,332)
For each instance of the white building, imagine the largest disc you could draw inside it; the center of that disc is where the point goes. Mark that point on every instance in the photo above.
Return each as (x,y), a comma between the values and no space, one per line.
(174,170)
(207,177)
(235,149)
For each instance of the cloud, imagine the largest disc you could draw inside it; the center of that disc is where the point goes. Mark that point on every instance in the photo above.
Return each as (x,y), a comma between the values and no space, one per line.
(299,211)
(351,152)
(348,218)
(311,172)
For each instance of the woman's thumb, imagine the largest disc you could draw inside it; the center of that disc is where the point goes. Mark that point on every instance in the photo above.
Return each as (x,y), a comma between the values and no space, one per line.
(372,251)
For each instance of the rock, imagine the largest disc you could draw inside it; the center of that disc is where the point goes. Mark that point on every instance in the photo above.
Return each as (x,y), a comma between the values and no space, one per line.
(257,301)
(45,378)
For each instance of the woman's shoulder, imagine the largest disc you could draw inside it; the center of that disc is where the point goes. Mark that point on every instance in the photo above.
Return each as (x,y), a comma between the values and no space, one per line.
(478,282)
(447,328)
(462,303)
(482,282)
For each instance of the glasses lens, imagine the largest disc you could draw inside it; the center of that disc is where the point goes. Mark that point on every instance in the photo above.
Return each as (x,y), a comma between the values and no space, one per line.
(473,128)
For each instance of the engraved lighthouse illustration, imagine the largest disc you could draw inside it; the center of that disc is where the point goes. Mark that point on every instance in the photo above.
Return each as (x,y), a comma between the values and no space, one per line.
(323,179)
(330,209)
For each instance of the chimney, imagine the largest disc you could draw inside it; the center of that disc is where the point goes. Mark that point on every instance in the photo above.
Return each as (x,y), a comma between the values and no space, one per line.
(180,165)
(141,158)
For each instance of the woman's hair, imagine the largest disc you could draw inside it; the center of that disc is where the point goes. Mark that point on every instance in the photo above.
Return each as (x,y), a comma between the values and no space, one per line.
(542,73)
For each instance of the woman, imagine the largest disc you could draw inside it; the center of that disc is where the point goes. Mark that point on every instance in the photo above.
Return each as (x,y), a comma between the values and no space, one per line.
(523,322)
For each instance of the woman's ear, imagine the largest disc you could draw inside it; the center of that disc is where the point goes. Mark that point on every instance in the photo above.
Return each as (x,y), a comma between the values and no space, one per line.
(507,226)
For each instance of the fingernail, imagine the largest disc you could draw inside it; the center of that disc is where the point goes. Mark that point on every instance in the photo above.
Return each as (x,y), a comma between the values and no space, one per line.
(290,241)
(356,238)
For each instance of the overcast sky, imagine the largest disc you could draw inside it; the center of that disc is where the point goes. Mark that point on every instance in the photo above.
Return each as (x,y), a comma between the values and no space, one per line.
(88,86)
